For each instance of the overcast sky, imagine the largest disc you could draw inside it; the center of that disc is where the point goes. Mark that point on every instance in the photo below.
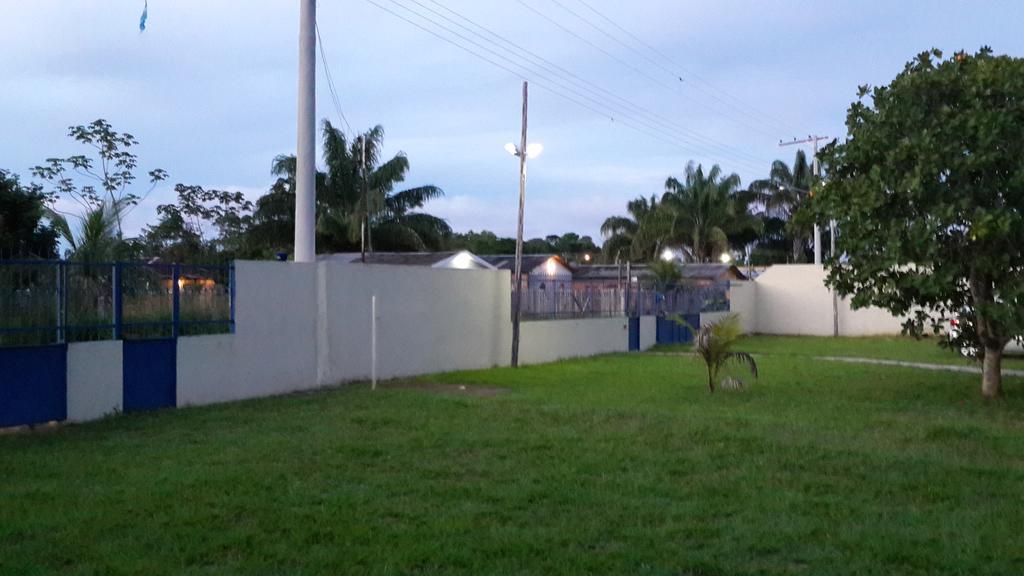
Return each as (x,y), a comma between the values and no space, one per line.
(209,88)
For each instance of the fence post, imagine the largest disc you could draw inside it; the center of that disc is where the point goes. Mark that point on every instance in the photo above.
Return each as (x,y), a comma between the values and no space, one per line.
(118,311)
(60,298)
(231,296)
(175,299)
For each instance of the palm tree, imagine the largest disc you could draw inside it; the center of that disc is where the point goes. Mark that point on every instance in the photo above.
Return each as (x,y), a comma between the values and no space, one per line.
(639,235)
(783,193)
(704,210)
(714,342)
(349,196)
(96,238)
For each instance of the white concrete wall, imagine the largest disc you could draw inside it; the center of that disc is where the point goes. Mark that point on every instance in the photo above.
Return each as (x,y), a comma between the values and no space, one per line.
(274,348)
(648,332)
(793,299)
(95,379)
(743,301)
(300,326)
(428,320)
(550,340)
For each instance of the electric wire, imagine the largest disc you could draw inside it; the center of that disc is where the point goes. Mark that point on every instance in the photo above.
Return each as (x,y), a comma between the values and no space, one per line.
(558,80)
(556,87)
(683,71)
(675,76)
(567,75)
(330,82)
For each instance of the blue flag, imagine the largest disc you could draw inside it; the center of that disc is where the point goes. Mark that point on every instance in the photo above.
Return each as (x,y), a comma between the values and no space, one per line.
(145,14)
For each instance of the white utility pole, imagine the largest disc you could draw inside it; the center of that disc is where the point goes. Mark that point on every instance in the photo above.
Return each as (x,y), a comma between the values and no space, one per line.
(305,158)
(816,170)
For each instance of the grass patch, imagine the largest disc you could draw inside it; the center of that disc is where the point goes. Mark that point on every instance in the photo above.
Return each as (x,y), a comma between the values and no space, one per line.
(925,350)
(622,464)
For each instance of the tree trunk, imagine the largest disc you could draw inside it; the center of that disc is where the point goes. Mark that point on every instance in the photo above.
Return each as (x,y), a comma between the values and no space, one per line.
(991,373)
(797,250)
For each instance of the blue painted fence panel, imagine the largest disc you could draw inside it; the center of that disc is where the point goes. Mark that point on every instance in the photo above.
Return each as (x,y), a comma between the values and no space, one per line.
(33,384)
(150,374)
(669,331)
(634,334)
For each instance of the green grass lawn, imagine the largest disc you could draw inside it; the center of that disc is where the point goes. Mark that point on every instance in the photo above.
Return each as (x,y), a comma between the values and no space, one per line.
(622,464)
(925,350)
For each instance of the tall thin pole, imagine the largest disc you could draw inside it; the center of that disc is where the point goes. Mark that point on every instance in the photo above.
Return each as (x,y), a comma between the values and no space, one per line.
(305,161)
(518,289)
(373,342)
(366,207)
(816,168)
(366,200)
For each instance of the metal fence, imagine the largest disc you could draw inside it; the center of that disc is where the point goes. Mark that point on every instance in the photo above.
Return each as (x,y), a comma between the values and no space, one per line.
(581,301)
(686,298)
(56,301)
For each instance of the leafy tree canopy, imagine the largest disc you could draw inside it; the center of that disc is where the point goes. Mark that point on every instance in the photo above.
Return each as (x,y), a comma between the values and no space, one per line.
(24,232)
(928,192)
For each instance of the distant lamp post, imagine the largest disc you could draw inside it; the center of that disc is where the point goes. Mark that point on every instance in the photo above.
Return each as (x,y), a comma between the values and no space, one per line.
(524,151)
(586,257)
(725,258)
(667,255)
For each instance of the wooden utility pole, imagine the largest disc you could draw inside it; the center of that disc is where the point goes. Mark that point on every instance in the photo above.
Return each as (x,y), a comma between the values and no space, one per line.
(364,226)
(517,294)
(366,209)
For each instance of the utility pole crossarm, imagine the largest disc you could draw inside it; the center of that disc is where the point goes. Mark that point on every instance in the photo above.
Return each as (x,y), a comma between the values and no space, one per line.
(808,140)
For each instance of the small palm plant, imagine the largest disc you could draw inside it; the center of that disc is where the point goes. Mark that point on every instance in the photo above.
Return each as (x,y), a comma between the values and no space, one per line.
(714,344)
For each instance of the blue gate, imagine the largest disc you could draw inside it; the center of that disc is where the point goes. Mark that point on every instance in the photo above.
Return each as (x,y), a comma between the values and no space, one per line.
(634,334)
(150,374)
(670,331)
(33,384)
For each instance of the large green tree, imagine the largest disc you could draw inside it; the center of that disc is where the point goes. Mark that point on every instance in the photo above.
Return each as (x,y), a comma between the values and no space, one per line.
(98,185)
(184,232)
(928,193)
(24,232)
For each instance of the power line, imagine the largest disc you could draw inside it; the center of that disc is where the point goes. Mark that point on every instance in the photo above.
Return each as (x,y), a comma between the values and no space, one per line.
(564,74)
(330,81)
(553,85)
(761,115)
(670,140)
(675,75)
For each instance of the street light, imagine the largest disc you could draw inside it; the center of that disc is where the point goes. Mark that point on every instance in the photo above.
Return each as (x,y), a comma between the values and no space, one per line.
(725,258)
(523,151)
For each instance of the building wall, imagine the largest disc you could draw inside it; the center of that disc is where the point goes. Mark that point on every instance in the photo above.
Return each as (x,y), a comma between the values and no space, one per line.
(793,299)
(95,379)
